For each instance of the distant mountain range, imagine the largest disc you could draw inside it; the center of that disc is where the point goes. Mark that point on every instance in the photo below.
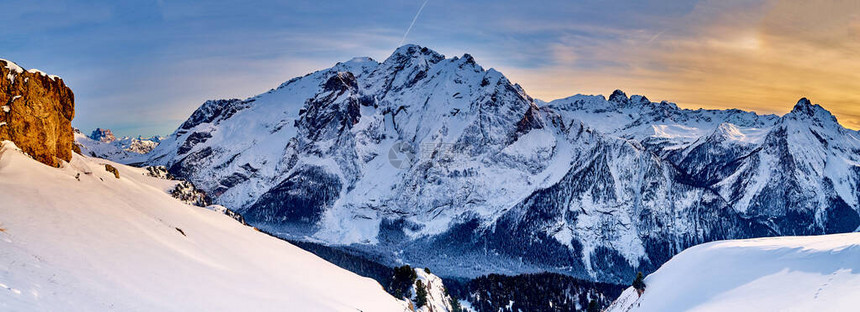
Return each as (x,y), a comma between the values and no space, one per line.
(440,163)
(103,144)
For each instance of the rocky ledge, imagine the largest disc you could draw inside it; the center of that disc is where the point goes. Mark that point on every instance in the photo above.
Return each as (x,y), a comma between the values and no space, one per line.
(36,113)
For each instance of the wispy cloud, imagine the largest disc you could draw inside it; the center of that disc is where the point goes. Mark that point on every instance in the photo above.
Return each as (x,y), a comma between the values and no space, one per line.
(756,56)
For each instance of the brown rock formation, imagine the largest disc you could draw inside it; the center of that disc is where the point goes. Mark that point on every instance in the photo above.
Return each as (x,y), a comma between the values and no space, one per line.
(36,112)
(112,169)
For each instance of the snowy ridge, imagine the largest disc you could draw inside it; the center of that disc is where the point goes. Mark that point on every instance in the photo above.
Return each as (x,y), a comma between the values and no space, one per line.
(15,70)
(663,125)
(587,186)
(79,239)
(41,73)
(815,273)
(438,299)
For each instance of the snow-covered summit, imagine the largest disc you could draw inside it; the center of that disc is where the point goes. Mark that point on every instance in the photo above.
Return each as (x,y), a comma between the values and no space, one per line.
(103,135)
(15,69)
(805,111)
(413,52)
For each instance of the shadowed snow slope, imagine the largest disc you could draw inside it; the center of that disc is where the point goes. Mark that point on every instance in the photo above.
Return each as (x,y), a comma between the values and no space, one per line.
(103,243)
(802,273)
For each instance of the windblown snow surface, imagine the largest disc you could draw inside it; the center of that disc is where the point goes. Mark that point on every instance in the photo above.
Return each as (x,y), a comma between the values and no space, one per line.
(801,273)
(101,243)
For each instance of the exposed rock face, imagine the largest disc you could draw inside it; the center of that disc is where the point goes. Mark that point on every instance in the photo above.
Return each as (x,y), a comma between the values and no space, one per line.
(103,135)
(112,169)
(187,193)
(36,113)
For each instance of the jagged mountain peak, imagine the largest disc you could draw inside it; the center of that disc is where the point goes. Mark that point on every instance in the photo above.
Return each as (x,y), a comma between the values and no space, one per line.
(619,97)
(468,58)
(804,109)
(641,99)
(103,135)
(803,102)
(414,51)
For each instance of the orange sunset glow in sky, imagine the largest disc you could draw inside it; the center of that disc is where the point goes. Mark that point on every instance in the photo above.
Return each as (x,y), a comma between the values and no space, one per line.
(761,57)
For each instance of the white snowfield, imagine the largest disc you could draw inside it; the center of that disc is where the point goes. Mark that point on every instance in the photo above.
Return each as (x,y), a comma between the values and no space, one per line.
(107,244)
(807,273)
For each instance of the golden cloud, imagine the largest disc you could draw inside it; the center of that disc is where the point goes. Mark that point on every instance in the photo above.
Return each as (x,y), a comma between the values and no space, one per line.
(760,57)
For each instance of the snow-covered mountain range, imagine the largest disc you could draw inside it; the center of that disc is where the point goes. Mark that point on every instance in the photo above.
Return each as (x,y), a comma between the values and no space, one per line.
(103,144)
(441,163)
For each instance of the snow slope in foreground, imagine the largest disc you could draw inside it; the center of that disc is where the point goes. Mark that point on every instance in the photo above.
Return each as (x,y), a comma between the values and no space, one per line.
(805,273)
(103,243)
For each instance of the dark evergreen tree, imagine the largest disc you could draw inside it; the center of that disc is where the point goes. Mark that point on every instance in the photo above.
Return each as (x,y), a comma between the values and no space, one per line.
(455,305)
(401,283)
(639,283)
(538,292)
(592,306)
(420,294)
(427,270)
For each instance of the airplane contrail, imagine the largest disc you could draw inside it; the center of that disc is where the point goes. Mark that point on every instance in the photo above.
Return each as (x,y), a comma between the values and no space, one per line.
(655,37)
(413,22)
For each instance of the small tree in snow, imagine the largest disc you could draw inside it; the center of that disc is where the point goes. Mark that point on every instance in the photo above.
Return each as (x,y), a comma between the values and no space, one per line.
(639,284)
(455,305)
(420,294)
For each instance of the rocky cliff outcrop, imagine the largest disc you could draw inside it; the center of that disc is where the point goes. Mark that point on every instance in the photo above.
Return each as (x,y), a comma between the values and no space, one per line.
(36,113)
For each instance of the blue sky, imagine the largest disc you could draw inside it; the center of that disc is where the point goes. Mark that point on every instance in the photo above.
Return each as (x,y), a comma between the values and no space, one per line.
(141,67)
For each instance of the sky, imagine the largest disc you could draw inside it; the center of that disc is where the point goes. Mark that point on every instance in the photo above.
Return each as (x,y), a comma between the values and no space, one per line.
(142,67)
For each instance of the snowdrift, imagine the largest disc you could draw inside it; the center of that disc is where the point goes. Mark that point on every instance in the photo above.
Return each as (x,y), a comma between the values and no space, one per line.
(804,273)
(76,238)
